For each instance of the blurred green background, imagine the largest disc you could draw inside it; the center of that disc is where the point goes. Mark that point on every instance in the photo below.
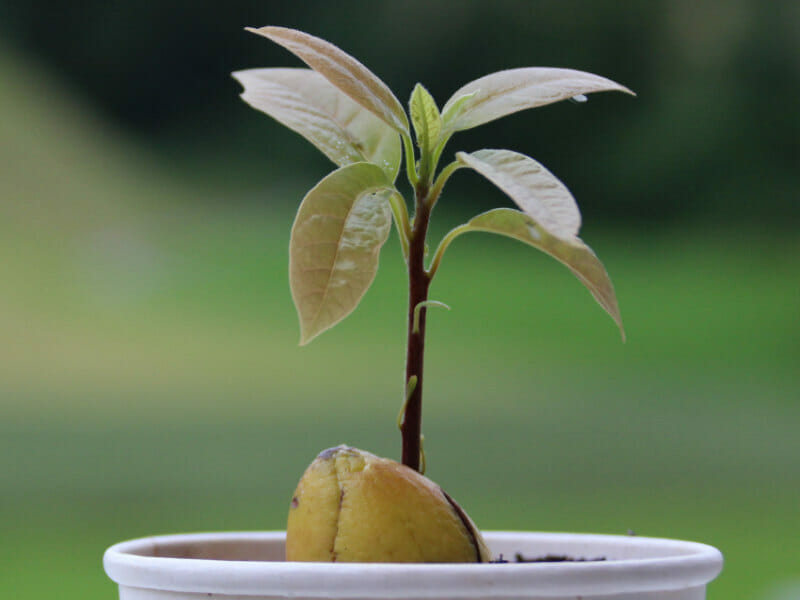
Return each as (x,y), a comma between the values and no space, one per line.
(150,378)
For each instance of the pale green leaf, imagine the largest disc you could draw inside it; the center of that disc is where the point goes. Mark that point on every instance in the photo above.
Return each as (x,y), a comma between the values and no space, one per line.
(337,235)
(343,71)
(425,117)
(535,190)
(306,102)
(575,254)
(507,92)
(454,107)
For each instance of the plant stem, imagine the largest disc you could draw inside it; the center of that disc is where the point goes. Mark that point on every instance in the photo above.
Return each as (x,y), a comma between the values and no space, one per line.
(418,284)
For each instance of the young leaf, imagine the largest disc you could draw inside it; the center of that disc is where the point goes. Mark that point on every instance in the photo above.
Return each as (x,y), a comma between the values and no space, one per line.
(454,107)
(425,117)
(337,235)
(535,190)
(573,253)
(343,71)
(306,102)
(506,92)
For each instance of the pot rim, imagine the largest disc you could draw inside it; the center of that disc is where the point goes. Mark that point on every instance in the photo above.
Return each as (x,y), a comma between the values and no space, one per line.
(668,564)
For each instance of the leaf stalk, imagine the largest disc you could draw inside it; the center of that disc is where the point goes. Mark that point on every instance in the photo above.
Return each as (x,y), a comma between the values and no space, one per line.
(400,212)
(443,245)
(442,178)
(411,167)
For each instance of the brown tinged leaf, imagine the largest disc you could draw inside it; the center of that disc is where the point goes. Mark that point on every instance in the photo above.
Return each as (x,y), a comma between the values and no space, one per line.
(343,71)
(574,253)
(534,189)
(307,103)
(506,92)
(336,238)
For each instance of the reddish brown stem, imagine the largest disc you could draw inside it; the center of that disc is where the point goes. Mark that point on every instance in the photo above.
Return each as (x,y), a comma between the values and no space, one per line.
(418,284)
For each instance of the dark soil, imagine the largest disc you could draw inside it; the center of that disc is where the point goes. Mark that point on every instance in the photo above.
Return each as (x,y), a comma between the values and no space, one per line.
(548,558)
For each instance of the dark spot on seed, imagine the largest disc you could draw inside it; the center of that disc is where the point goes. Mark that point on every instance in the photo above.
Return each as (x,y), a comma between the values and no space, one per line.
(328,453)
(332,451)
(295,502)
(467,524)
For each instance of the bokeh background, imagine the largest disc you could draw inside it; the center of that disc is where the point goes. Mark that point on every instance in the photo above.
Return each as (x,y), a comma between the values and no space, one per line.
(150,378)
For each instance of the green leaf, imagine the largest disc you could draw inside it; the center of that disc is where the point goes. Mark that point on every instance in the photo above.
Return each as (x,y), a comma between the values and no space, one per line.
(425,117)
(576,255)
(337,235)
(304,101)
(343,71)
(507,92)
(535,190)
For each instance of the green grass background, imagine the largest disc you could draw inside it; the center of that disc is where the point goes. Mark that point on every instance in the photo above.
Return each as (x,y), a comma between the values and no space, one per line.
(151,382)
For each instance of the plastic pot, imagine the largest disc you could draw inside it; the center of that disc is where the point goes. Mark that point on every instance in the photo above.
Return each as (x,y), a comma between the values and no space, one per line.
(250,565)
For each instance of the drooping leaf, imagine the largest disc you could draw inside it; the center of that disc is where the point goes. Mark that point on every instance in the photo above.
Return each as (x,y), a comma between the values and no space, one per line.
(306,102)
(506,92)
(337,235)
(574,253)
(425,117)
(343,71)
(535,190)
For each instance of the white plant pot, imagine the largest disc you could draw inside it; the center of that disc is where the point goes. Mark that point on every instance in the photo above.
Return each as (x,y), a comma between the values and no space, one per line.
(251,566)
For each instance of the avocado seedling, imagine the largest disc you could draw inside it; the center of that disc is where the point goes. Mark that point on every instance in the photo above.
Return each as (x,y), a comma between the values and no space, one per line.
(351,505)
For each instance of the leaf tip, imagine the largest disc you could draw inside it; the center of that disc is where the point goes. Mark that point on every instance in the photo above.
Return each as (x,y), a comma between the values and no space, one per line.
(613,312)
(268,31)
(626,90)
(306,337)
(609,304)
(237,76)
